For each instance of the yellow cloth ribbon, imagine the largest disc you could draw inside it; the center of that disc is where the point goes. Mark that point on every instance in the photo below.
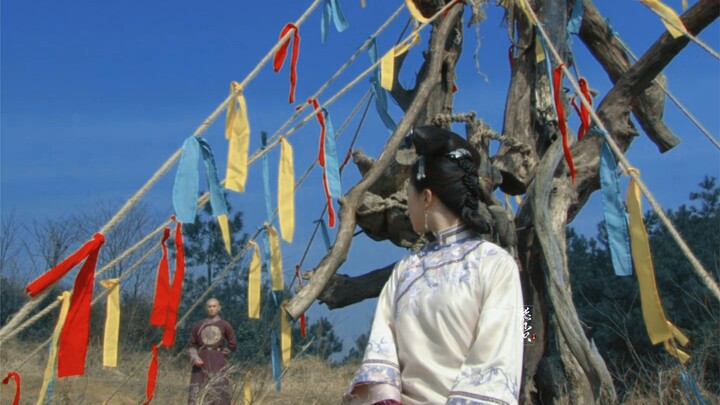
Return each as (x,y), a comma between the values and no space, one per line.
(276,271)
(286,191)
(362,3)
(52,357)
(254,283)
(225,231)
(237,132)
(112,322)
(247,390)
(684,5)
(415,12)
(539,51)
(387,63)
(285,335)
(525,7)
(658,327)
(670,18)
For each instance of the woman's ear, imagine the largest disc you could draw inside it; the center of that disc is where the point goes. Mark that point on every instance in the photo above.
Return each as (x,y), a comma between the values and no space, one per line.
(427,197)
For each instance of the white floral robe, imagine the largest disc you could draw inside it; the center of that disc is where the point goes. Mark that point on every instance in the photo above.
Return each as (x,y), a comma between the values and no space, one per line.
(447,328)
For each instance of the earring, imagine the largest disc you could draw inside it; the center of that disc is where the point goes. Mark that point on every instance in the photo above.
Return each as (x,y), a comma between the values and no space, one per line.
(426,221)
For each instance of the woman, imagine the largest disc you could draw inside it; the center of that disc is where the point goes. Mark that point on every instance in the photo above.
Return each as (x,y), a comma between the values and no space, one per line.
(448,324)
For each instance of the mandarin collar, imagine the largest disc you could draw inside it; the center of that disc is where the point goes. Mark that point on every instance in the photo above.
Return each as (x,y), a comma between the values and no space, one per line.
(453,234)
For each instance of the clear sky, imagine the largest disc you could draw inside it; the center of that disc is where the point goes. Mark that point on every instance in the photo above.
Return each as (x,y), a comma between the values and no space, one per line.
(97,95)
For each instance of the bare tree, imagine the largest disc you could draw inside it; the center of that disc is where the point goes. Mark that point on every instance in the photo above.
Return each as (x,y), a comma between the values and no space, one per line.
(529,161)
(9,246)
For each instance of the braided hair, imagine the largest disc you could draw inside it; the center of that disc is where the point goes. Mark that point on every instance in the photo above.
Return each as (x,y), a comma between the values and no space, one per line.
(448,166)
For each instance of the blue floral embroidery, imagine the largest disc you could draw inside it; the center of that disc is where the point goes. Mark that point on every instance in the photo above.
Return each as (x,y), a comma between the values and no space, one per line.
(380,347)
(476,377)
(378,373)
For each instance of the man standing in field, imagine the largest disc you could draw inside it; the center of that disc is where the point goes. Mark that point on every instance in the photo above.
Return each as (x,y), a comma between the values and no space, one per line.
(211,340)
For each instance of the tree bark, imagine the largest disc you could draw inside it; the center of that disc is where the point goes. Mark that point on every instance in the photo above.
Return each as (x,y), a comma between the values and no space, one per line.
(338,253)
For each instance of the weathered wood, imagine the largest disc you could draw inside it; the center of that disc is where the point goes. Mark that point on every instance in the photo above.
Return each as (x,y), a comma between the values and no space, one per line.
(343,290)
(350,201)
(607,49)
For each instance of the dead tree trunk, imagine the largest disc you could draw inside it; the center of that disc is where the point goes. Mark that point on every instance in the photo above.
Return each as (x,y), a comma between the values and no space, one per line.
(562,366)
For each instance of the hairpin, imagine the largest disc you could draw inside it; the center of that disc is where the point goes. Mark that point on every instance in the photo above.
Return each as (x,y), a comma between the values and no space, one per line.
(421,169)
(458,153)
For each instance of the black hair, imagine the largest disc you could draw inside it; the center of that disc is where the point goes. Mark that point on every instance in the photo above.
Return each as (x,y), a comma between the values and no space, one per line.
(448,166)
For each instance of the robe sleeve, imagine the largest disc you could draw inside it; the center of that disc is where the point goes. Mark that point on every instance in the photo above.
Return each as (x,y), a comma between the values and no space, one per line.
(378,378)
(193,344)
(230,337)
(491,371)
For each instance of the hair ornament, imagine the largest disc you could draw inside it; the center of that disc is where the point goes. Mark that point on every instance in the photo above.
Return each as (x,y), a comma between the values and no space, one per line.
(421,169)
(458,153)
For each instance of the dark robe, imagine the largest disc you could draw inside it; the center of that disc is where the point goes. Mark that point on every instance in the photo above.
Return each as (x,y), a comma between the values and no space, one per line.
(210,340)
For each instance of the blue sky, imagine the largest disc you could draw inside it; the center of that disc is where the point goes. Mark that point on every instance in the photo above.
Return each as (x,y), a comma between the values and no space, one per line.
(96,96)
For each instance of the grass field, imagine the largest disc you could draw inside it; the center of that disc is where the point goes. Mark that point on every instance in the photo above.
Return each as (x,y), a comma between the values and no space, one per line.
(307,380)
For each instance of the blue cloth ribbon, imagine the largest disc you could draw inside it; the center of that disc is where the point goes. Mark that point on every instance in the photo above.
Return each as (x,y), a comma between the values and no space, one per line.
(187,179)
(576,18)
(616,222)
(266,179)
(331,8)
(332,169)
(381,103)
(548,65)
(689,382)
(325,234)
(275,354)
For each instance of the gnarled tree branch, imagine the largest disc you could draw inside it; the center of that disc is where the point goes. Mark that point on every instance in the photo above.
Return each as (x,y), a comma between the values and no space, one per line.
(337,255)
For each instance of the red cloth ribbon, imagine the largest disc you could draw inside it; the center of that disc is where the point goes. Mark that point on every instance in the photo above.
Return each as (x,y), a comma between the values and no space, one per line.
(75,334)
(557,80)
(455,88)
(16,377)
(152,376)
(321,160)
(303,330)
(282,52)
(56,273)
(582,110)
(162,286)
(175,289)
(346,160)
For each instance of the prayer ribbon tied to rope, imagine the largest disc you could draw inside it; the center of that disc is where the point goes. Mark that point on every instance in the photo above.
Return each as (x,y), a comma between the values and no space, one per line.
(48,377)
(670,19)
(286,191)
(168,295)
(582,110)
(282,52)
(658,327)
(415,12)
(275,359)
(254,282)
(187,186)
(237,132)
(276,271)
(16,377)
(557,91)
(112,322)
(387,63)
(332,10)
(152,376)
(381,103)
(76,331)
(327,158)
(614,212)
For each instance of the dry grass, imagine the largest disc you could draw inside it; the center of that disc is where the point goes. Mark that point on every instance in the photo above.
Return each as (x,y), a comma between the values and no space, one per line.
(308,380)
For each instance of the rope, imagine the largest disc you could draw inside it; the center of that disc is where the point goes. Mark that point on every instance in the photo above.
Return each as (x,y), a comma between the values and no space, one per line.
(625,164)
(342,68)
(175,156)
(671,96)
(238,256)
(347,87)
(685,32)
